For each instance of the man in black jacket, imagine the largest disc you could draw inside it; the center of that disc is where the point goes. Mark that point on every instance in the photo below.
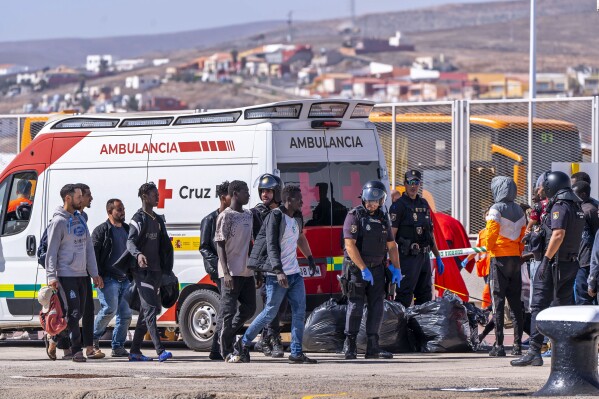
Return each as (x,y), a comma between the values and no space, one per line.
(110,243)
(210,256)
(150,254)
(269,192)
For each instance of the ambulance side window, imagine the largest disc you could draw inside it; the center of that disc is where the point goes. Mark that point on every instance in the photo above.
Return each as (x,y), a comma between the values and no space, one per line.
(19,202)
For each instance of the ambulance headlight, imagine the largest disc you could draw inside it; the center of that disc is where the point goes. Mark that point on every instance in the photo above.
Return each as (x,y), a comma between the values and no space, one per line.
(225,117)
(328,110)
(291,111)
(86,123)
(362,111)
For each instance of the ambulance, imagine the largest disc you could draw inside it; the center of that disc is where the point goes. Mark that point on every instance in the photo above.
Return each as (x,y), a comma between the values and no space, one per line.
(329,148)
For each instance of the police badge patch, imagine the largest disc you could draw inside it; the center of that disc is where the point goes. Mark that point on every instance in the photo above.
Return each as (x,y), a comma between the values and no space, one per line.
(392,216)
(368,227)
(415,215)
(419,231)
(555,215)
(354,229)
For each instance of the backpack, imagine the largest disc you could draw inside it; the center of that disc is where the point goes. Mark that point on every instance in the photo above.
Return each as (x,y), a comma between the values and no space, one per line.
(42,249)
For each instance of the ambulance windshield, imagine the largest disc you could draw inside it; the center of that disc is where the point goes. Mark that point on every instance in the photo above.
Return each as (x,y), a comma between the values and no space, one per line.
(329,190)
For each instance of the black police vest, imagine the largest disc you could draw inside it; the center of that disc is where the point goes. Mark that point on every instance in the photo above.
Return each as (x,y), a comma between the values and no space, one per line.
(571,244)
(372,235)
(415,223)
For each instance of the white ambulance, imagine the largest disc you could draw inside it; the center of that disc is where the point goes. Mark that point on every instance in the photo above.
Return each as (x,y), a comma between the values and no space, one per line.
(328,148)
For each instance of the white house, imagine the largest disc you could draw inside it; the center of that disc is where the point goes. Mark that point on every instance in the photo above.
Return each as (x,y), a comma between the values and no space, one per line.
(142,82)
(12,69)
(129,64)
(94,62)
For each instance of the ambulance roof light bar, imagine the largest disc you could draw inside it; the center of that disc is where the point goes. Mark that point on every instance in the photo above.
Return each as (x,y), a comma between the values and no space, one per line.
(328,110)
(223,117)
(288,111)
(362,111)
(86,123)
(141,122)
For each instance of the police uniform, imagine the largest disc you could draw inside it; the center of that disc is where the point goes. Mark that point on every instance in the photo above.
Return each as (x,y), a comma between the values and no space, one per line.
(553,284)
(412,219)
(372,233)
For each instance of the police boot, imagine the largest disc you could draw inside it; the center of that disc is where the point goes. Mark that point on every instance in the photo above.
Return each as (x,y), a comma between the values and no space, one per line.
(264,345)
(532,358)
(373,351)
(278,350)
(350,349)
(517,348)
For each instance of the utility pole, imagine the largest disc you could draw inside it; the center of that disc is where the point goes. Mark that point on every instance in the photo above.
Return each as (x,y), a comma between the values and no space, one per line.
(532,72)
(289,27)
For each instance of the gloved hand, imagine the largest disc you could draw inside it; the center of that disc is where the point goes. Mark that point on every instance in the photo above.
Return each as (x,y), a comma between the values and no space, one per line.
(440,265)
(542,271)
(462,264)
(396,279)
(312,266)
(367,276)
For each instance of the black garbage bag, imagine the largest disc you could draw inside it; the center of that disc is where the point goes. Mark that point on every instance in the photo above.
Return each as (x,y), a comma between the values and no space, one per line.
(393,334)
(169,290)
(324,331)
(440,326)
(476,317)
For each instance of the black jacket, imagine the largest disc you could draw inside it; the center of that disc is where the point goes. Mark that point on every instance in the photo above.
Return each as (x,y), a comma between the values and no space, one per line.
(102,239)
(208,246)
(266,252)
(259,213)
(136,240)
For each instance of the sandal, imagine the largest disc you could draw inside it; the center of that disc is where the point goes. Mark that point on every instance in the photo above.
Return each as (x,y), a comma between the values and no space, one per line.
(50,347)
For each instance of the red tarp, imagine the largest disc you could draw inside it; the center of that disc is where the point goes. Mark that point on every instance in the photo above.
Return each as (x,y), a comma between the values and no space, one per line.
(448,228)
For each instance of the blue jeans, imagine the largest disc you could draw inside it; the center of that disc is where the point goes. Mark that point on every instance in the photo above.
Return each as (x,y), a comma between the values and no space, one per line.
(112,301)
(296,295)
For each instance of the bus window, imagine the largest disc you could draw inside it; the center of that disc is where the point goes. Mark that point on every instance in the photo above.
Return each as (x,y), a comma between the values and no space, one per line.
(20,203)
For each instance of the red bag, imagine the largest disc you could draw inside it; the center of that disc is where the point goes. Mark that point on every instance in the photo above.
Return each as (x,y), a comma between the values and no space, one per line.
(53,321)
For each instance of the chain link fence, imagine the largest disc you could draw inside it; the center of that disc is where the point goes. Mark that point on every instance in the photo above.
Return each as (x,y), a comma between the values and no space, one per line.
(423,141)
(460,146)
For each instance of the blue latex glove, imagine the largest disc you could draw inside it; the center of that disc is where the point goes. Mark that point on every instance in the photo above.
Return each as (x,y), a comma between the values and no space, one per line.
(463,264)
(367,276)
(396,279)
(440,265)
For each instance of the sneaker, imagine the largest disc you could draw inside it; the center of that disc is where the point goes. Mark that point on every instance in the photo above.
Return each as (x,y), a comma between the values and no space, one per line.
(164,356)
(215,356)
(301,359)
(278,351)
(241,353)
(138,357)
(79,358)
(497,351)
(119,352)
(95,354)
(50,347)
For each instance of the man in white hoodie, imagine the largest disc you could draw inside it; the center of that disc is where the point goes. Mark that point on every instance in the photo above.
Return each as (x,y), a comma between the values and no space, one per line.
(69,259)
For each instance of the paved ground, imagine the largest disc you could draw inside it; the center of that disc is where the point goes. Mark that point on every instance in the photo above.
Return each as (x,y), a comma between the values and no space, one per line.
(27,373)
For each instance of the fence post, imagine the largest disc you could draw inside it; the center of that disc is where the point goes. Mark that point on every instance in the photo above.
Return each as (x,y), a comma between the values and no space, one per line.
(531,112)
(595,130)
(393,152)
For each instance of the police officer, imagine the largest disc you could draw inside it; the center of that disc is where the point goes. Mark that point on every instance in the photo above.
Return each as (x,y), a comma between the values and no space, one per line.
(413,230)
(367,237)
(554,280)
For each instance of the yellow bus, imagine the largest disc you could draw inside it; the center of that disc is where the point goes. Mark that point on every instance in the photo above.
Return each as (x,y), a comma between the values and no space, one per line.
(498,146)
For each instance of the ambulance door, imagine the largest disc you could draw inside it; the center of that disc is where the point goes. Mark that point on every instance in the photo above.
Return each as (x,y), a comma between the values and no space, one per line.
(353,159)
(21,196)
(301,159)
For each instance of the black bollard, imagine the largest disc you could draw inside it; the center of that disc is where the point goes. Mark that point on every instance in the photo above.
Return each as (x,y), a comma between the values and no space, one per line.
(574,334)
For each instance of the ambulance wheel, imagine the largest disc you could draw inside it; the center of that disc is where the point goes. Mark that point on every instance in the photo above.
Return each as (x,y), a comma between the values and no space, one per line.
(197,319)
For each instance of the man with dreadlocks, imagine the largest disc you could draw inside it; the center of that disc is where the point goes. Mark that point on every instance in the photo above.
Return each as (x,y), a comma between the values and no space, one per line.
(151,248)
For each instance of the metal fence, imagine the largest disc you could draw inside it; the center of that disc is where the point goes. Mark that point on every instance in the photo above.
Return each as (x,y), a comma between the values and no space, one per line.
(460,146)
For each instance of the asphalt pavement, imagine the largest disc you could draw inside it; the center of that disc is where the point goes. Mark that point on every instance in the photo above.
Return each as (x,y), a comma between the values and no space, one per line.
(28,373)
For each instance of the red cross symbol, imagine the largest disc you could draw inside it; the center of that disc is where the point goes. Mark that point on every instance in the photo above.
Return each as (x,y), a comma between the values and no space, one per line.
(351,192)
(163,193)
(309,193)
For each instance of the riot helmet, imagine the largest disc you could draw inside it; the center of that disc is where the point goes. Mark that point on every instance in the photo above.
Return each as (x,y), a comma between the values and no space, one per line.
(556,182)
(374,190)
(269,181)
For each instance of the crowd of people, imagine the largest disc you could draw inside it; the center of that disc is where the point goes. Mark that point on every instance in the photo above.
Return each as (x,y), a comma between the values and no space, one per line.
(386,254)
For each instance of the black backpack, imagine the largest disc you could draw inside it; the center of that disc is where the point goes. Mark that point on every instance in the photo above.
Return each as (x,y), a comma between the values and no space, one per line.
(42,249)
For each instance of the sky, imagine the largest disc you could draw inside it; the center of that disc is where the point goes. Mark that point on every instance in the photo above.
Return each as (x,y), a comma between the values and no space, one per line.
(43,19)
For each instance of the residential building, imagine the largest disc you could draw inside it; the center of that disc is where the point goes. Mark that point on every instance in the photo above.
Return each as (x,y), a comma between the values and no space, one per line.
(99,63)
(12,69)
(142,83)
